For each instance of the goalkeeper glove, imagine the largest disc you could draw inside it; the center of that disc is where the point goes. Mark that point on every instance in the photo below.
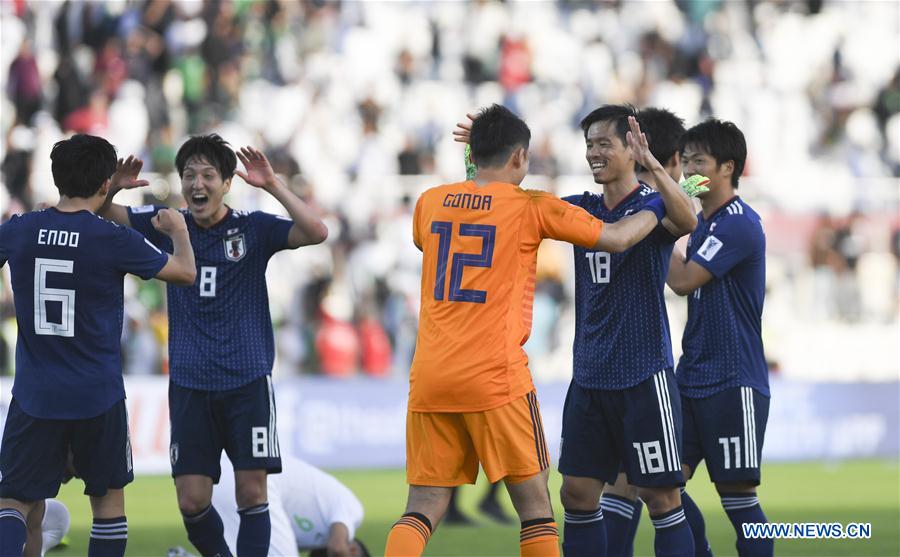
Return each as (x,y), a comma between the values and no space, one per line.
(695,185)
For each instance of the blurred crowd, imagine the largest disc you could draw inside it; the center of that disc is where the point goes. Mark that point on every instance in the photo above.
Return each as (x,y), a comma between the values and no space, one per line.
(354,102)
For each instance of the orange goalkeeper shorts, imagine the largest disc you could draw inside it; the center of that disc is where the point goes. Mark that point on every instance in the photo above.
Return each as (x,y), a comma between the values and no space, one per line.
(444,448)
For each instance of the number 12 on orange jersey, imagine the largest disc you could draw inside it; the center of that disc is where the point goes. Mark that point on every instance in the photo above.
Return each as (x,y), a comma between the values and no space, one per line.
(444,230)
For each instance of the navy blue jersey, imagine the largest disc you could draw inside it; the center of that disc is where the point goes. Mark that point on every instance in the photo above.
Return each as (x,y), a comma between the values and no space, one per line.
(67,271)
(220,330)
(722,341)
(621,326)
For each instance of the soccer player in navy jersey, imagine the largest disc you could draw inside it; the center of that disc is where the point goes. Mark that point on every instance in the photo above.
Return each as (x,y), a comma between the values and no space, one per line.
(722,372)
(622,411)
(67,267)
(221,345)
(620,503)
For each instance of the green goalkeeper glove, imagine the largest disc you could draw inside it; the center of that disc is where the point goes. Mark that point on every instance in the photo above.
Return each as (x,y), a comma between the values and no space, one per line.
(471,170)
(695,185)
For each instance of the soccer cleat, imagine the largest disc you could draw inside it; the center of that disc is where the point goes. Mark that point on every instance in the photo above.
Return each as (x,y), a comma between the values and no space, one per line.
(695,185)
(456,518)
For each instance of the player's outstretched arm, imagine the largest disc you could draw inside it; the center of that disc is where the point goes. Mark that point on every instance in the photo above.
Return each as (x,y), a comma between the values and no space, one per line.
(685,276)
(619,236)
(180,268)
(680,218)
(125,178)
(308,227)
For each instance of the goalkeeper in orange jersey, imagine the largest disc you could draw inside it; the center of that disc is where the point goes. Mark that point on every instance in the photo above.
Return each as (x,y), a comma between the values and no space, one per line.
(472,400)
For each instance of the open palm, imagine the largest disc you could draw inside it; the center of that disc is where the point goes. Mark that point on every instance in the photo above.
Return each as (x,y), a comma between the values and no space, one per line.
(259,172)
(126,174)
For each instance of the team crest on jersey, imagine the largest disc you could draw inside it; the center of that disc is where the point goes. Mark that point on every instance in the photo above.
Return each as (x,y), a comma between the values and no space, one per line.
(235,247)
(173,453)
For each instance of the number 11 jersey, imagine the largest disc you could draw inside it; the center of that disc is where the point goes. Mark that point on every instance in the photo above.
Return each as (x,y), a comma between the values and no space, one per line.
(479,256)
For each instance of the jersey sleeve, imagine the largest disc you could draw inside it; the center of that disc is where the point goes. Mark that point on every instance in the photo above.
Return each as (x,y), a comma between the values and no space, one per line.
(273,231)
(342,506)
(139,219)
(135,254)
(561,220)
(417,229)
(733,240)
(659,235)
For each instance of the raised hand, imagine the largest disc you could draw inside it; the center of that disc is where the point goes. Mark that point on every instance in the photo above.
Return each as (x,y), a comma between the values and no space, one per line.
(259,172)
(640,147)
(464,129)
(125,176)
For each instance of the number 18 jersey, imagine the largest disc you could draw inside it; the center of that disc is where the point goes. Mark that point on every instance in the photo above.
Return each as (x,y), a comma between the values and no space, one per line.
(479,254)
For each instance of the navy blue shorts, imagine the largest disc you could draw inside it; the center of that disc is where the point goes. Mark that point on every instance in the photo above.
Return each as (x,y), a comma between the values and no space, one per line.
(241,421)
(636,430)
(34,453)
(727,430)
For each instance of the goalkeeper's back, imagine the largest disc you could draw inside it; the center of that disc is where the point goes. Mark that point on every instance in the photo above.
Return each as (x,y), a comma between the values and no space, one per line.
(479,248)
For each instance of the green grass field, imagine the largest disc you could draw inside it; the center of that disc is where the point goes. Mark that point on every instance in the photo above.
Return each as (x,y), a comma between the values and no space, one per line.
(857,491)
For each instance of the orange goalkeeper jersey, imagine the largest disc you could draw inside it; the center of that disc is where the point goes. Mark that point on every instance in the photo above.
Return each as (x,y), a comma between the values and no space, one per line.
(479,253)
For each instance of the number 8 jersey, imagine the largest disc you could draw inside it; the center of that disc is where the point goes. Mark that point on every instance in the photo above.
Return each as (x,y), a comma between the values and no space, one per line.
(67,270)
(479,255)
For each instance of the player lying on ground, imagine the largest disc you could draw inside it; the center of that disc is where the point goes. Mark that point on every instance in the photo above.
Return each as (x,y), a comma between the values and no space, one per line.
(221,345)
(67,267)
(472,400)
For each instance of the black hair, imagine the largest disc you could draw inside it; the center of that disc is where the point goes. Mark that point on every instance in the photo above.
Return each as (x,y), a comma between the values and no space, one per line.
(496,133)
(722,140)
(663,130)
(322,552)
(81,164)
(211,148)
(616,113)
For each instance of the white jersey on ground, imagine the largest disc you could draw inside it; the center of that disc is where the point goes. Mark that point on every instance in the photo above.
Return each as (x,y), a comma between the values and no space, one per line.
(303,504)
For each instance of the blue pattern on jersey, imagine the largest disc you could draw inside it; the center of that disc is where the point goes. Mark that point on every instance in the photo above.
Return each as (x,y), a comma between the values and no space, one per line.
(220,330)
(621,325)
(67,272)
(722,341)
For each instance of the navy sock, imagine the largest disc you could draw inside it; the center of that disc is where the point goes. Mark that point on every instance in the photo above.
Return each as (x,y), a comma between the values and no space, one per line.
(698,525)
(254,532)
(13,533)
(621,524)
(638,507)
(206,532)
(742,508)
(108,537)
(584,534)
(673,534)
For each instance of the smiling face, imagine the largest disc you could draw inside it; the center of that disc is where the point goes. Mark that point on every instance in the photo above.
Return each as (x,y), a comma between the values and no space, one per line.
(204,191)
(609,158)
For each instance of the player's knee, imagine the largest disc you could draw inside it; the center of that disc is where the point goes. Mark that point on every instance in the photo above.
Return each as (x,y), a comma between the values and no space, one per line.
(660,500)
(736,487)
(192,502)
(248,494)
(575,496)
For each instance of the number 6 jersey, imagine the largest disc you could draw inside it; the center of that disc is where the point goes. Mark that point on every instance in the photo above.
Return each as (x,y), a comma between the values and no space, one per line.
(67,270)
(479,252)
